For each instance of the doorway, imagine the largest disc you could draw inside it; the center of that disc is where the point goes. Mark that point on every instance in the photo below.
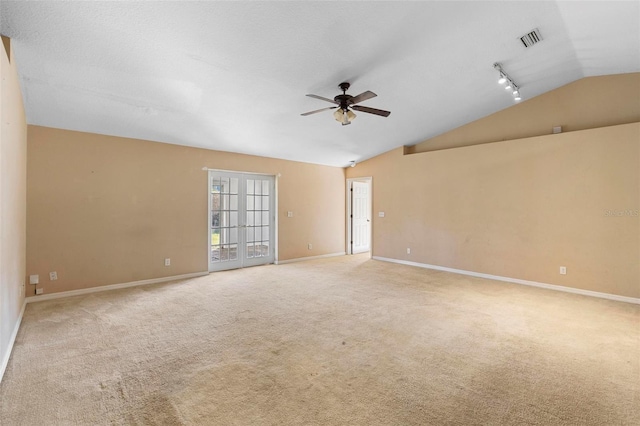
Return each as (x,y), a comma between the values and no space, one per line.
(359,215)
(241,220)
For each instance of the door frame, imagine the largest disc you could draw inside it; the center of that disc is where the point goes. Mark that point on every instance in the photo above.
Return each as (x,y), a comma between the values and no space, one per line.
(348,244)
(274,231)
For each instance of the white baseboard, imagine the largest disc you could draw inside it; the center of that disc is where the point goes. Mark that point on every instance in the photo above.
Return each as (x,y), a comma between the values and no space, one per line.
(82,291)
(12,339)
(516,281)
(302,259)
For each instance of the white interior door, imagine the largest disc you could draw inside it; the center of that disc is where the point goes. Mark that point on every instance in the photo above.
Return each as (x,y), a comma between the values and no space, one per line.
(241,220)
(360,220)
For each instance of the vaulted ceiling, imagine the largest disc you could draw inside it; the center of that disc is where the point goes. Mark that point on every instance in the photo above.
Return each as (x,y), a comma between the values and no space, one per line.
(233,76)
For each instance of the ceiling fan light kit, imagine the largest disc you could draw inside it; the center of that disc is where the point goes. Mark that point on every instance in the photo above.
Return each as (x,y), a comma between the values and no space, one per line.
(346,104)
(343,118)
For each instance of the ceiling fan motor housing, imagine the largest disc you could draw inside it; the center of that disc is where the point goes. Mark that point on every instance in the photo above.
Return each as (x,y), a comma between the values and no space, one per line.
(343,100)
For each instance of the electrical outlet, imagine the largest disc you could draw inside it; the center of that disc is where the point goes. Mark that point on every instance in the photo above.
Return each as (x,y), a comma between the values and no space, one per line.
(34,279)
(310,246)
(167,262)
(39,290)
(289,214)
(53,276)
(563,270)
(408,250)
(380,214)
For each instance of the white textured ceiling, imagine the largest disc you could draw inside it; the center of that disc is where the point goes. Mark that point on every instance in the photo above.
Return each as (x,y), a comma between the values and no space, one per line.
(233,76)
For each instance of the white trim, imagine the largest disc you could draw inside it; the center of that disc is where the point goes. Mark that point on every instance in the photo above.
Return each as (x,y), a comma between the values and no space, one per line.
(12,339)
(302,259)
(235,171)
(276,182)
(82,291)
(516,281)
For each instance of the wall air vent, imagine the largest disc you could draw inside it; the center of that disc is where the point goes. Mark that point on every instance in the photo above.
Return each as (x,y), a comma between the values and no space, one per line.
(531,38)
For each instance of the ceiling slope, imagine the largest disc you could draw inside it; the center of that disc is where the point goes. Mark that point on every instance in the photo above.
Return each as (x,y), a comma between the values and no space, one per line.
(233,76)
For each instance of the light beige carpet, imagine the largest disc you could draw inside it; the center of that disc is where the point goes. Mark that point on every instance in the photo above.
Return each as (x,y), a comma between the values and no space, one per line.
(340,341)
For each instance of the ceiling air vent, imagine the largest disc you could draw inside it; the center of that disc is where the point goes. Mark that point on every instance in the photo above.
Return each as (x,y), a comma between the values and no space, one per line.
(531,38)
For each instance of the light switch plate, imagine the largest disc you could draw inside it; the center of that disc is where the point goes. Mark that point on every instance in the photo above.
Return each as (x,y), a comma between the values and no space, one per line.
(380,214)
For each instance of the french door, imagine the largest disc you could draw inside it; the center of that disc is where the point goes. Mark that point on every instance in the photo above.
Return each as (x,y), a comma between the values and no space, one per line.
(241,220)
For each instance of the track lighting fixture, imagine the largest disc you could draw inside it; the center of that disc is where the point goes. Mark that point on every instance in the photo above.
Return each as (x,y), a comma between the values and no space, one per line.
(509,83)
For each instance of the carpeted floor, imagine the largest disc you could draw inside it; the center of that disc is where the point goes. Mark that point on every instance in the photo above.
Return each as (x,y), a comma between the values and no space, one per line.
(339,341)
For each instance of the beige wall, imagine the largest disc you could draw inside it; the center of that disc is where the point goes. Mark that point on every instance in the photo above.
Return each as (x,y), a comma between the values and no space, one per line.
(515,201)
(518,209)
(105,210)
(584,104)
(13,162)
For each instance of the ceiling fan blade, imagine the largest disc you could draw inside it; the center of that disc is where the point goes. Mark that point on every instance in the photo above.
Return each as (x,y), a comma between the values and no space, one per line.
(371,110)
(318,110)
(323,99)
(363,97)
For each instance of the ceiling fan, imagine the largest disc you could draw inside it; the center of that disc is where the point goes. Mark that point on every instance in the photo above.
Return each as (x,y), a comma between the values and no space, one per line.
(346,103)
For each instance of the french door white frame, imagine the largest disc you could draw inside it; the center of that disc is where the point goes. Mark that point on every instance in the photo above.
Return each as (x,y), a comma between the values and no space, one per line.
(242,259)
(349,193)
